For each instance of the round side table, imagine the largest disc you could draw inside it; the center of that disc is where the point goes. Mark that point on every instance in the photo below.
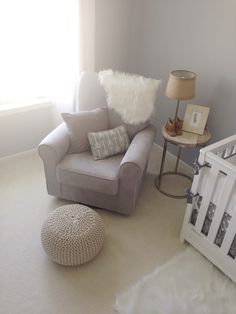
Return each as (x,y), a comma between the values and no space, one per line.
(186,140)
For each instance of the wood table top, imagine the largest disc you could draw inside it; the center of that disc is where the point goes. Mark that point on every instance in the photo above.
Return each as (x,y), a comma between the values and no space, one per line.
(187,139)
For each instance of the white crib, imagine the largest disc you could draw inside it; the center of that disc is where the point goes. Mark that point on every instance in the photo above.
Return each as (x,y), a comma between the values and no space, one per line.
(210,219)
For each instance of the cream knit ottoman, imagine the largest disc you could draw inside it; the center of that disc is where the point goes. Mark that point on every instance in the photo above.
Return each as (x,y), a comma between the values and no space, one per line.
(72,234)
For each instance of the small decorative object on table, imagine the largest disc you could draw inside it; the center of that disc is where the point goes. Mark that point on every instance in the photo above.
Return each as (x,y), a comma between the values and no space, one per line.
(195,119)
(174,127)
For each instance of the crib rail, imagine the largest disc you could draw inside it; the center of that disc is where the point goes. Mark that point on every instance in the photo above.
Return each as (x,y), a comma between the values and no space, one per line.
(217,155)
(224,148)
(221,164)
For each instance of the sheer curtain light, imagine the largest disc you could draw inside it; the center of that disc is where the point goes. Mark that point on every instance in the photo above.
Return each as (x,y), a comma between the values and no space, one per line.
(39,55)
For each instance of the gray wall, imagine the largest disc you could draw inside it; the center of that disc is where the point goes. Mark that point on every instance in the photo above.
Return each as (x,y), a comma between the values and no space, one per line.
(188,34)
(112,23)
(24,130)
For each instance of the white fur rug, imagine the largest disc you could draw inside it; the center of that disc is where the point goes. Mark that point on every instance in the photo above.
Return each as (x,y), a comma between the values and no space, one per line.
(188,284)
(132,96)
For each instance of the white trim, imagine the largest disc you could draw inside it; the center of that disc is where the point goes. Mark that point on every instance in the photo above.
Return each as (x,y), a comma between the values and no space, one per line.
(10,109)
(173,157)
(17,155)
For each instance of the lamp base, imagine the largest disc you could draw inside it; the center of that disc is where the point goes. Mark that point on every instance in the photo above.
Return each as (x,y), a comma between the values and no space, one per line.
(177,109)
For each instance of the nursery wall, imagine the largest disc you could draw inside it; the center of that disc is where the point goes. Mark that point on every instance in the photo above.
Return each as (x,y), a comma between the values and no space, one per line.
(188,34)
(112,24)
(25,129)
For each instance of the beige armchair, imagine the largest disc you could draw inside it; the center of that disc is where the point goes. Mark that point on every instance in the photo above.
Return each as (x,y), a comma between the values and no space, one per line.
(112,183)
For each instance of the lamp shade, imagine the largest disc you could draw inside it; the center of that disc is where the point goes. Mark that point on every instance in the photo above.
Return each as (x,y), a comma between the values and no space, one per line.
(181,85)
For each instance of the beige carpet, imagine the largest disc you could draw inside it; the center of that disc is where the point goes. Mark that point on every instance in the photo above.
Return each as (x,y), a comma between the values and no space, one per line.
(187,284)
(134,246)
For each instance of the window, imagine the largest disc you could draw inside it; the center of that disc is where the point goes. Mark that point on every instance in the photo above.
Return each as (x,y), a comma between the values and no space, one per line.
(38,50)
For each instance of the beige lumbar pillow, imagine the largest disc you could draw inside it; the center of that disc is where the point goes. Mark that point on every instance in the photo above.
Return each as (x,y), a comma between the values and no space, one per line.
(132,96)
(80,123)
(108,143)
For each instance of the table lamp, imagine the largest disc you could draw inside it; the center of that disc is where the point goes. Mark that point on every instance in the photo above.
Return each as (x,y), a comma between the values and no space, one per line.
(181,86)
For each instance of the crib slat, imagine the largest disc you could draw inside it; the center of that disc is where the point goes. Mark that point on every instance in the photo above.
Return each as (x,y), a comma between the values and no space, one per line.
(229,236)
(187,216)
(234,150)
(221,207)
(231,151)
(207,196)
(228,152)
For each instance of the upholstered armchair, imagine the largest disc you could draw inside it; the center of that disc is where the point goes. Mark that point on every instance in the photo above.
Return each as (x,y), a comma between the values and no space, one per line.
(113,183)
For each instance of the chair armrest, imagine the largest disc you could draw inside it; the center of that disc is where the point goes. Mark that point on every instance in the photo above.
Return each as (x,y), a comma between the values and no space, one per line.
(133,168)
(54,147)
(136,157)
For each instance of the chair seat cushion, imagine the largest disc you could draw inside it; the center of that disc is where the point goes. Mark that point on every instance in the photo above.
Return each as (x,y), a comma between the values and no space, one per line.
(132,129)
(81,170)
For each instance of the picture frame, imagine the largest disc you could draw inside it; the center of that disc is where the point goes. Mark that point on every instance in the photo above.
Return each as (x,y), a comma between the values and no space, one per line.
(195,119)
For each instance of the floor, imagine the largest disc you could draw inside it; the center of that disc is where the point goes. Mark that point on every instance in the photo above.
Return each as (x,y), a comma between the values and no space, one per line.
(31,284)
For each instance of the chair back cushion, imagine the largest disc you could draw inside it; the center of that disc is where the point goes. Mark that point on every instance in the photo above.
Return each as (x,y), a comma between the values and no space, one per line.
(92,95)
(79,124)
(115,120)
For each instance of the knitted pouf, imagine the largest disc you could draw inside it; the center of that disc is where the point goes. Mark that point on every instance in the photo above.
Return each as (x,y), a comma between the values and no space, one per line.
(72,234)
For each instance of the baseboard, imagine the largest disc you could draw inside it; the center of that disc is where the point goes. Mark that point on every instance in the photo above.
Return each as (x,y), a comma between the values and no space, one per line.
(18,155)
(172,156)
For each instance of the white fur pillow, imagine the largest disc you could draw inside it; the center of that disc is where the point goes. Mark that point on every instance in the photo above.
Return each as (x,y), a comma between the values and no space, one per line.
(133,97)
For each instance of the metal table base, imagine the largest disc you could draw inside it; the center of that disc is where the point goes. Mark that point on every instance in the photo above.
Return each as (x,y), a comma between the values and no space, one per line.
(158,179)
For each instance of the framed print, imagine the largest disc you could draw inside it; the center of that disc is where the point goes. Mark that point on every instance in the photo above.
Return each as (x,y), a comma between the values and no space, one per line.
(195,119)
